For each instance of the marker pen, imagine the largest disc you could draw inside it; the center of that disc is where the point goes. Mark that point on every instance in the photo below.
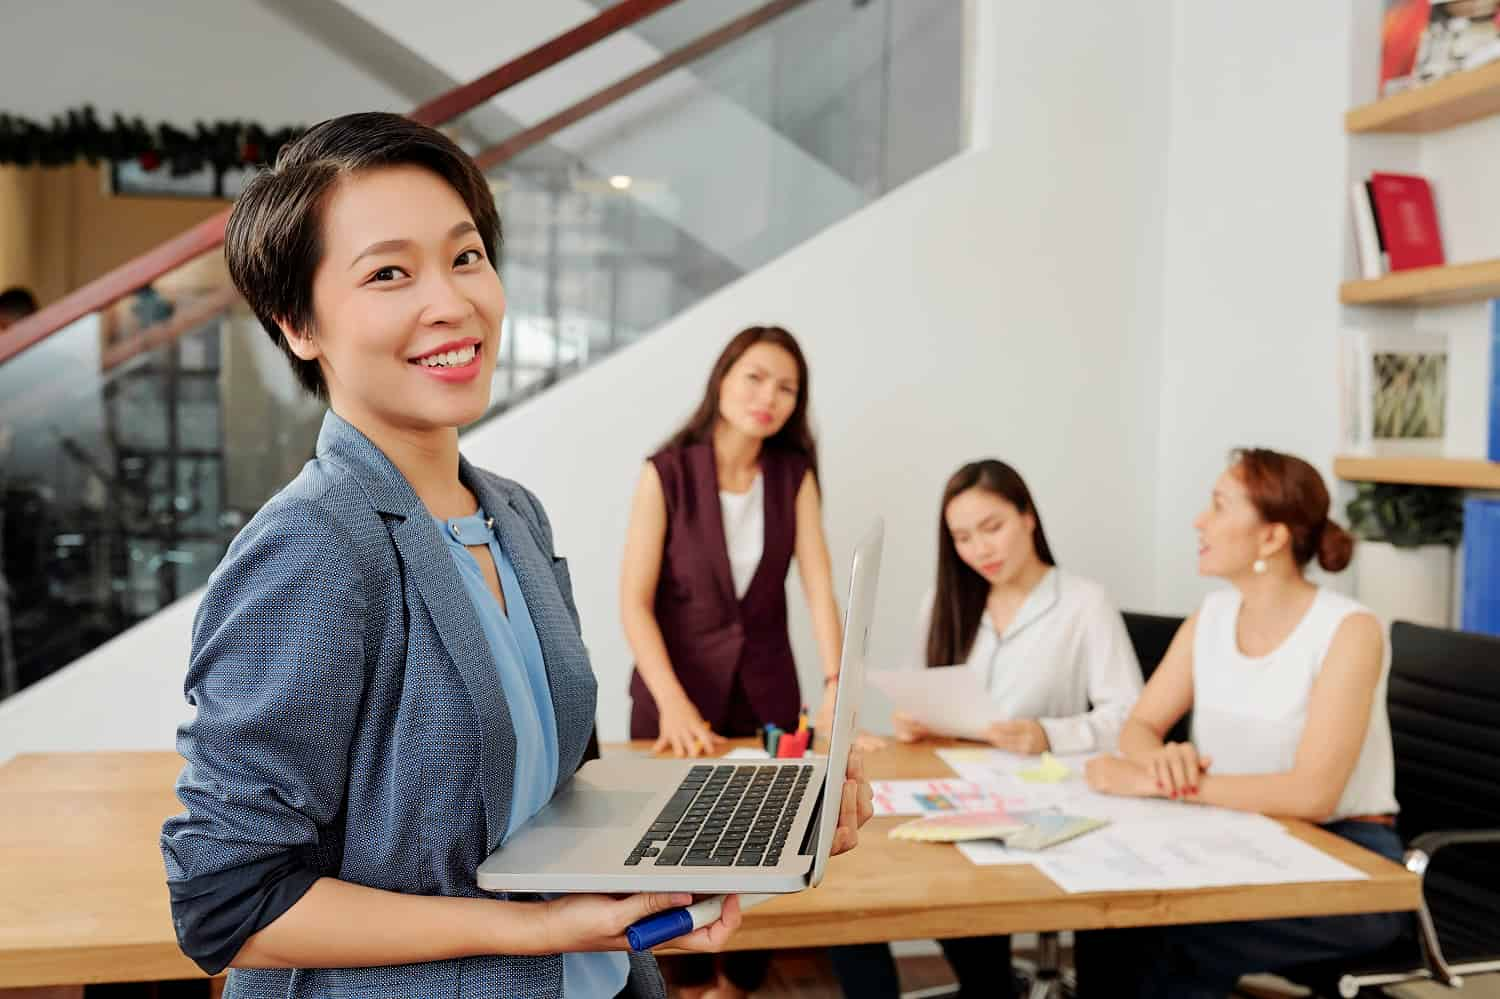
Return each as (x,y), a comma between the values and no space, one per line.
(658,928)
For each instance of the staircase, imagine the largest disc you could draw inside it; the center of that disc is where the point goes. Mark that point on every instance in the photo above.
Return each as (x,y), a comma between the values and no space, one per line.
(664,149)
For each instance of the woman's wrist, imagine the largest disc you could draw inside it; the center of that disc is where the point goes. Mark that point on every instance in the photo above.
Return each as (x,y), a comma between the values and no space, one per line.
(542,934)
(1137,752)
(670,696)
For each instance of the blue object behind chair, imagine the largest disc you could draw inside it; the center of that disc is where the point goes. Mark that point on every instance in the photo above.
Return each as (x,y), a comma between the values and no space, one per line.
(1481,591)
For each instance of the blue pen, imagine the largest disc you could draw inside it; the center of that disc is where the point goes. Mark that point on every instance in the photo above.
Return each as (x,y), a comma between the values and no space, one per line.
(658,928)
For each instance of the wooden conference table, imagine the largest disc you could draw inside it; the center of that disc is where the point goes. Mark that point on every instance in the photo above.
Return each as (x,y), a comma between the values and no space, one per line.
(83,900)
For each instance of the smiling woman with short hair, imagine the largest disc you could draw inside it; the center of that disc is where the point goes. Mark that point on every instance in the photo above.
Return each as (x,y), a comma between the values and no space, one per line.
(387,666)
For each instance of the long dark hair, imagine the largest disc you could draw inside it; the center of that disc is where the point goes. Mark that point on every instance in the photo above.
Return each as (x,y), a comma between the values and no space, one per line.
(795,435)
(961,593)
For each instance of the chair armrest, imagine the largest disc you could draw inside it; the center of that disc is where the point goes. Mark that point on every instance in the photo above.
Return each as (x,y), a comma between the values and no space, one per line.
(1418,856)
(1431,842)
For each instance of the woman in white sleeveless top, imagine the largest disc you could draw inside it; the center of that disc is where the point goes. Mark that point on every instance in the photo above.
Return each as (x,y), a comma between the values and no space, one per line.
(1286,684)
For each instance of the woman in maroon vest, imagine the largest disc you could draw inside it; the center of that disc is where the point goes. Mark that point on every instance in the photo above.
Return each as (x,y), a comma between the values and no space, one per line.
(718,516)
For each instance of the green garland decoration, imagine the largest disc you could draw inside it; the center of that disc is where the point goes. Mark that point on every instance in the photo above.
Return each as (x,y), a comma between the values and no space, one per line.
(78,134)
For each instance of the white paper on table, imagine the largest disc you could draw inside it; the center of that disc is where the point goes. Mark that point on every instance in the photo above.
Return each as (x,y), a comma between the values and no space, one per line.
(1206,852)
(746,753)
(998,770)
(1150,843)
(1160,813)
(949,701)
(937,797)
(982,764)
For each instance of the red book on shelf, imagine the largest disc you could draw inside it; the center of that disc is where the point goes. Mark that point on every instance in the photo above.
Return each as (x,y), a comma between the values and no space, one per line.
(1408,220)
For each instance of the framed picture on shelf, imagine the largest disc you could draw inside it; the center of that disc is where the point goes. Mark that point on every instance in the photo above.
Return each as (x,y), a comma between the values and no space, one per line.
(1425,40)
(1460,35)
(1396,393)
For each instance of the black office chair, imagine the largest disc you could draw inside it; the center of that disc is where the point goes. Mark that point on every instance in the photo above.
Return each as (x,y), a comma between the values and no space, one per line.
(1444,700)
(1151,635)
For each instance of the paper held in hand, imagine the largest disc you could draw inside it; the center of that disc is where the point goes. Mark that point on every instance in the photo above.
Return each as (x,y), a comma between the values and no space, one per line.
(948,700)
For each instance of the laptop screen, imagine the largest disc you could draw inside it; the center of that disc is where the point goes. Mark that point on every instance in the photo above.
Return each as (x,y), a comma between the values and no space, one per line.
(863,575)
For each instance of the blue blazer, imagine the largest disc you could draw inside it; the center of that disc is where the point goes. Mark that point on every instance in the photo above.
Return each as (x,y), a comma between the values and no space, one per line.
(351,723)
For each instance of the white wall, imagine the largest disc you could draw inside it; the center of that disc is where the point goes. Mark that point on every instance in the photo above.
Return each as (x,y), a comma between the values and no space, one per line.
(1255,236)
(176,61)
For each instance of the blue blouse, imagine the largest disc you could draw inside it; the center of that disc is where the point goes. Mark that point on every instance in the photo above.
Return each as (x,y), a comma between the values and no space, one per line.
(523,675)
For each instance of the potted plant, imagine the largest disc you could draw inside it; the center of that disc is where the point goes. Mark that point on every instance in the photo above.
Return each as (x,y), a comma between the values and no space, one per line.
(1404,560)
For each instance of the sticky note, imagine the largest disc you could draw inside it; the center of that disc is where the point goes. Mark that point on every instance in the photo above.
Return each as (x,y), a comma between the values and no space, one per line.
(1049,771)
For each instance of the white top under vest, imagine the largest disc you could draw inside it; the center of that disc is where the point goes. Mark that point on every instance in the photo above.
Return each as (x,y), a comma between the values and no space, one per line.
(1064,660)
(744,531)
(1249,713)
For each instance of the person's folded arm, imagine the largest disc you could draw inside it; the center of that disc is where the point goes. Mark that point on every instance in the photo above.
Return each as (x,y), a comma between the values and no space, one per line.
(276,676)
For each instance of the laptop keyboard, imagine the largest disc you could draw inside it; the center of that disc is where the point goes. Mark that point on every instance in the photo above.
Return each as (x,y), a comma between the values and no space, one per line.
(725,816)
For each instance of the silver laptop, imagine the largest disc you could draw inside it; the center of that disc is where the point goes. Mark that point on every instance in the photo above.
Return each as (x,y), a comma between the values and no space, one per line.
(633,823)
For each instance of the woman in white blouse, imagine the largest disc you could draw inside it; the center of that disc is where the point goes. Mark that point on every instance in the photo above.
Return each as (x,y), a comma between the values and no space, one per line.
(1286,683)
(1049,646)
(1051,649)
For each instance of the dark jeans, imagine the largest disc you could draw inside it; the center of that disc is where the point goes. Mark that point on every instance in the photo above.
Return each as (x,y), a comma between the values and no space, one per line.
(981,965)
(1204,961)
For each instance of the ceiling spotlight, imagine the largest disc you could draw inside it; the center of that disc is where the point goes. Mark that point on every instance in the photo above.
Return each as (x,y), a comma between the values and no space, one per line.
(619,182)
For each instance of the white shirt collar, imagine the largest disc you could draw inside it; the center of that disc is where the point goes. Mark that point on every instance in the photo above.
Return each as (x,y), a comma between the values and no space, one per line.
(1042,598)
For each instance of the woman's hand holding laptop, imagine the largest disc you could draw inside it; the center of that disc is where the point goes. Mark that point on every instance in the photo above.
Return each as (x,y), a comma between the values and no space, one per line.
(856,807)
(589,923)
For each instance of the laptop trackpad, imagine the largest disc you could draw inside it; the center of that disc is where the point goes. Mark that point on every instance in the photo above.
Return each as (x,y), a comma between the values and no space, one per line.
(592,808)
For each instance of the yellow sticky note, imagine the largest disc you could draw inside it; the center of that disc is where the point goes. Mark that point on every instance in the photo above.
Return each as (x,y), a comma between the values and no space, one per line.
(1050,771)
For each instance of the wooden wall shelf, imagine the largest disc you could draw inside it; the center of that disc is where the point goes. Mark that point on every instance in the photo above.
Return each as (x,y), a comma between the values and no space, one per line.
(1460,473)
(1453,100)
(1447,285)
